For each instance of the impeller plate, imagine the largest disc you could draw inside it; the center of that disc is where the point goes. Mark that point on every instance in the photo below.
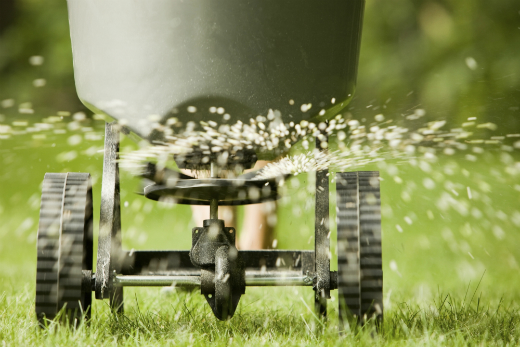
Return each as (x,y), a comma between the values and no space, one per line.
(227,191)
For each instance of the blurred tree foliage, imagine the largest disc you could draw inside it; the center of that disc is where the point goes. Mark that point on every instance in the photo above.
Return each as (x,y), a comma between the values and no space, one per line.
(31,28)
(454,58)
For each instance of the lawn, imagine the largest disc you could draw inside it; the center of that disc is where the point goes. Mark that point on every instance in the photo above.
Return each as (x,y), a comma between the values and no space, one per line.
(450,236)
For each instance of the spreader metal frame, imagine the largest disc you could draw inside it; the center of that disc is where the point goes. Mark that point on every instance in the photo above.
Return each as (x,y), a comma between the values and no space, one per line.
(118,268)
(213,264)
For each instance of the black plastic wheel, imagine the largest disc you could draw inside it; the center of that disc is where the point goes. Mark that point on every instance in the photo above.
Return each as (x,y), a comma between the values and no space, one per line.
(360,273)
(65,247)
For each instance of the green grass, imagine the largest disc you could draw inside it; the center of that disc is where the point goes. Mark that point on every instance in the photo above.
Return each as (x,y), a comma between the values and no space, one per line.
(280,317)
(450,262)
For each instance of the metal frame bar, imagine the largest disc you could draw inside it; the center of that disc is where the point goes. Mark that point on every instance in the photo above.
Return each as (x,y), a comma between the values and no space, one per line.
(178,262)
(117,268)
(253,279)
(109,241)
(322,239)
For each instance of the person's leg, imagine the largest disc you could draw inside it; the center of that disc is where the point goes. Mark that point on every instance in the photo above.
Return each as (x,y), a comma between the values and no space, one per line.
(259,222)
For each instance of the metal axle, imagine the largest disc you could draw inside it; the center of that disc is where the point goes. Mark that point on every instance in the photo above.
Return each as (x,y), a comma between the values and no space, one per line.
(213,209)
(255,279)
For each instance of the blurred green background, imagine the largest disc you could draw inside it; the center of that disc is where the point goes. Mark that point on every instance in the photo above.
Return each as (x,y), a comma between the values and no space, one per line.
(454,59)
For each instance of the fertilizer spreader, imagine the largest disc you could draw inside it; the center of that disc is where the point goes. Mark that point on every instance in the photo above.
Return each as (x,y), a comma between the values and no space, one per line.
(157,68)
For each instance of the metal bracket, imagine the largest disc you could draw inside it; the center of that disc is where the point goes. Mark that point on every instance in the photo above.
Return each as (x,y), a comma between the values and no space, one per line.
(222,279)
(209,238)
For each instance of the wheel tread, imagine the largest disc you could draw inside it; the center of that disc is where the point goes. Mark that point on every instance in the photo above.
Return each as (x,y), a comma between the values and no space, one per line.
(360,275)
(65,220)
